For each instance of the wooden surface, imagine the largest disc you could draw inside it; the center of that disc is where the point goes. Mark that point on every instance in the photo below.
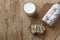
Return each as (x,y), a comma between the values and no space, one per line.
(14,23)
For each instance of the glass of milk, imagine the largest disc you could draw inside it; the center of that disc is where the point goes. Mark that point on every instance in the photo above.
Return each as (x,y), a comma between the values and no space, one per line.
(29,8)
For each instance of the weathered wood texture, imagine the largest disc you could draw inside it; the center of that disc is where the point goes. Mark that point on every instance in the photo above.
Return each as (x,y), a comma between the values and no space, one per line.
(14,23)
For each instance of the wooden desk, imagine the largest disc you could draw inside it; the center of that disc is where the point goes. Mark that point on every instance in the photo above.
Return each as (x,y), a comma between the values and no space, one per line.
(14,23)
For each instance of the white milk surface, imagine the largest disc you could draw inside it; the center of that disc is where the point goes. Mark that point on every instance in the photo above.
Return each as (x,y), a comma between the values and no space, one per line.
(29,8)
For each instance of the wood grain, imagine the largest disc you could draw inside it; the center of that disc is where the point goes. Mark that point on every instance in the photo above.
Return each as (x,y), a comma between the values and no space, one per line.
(14,23)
